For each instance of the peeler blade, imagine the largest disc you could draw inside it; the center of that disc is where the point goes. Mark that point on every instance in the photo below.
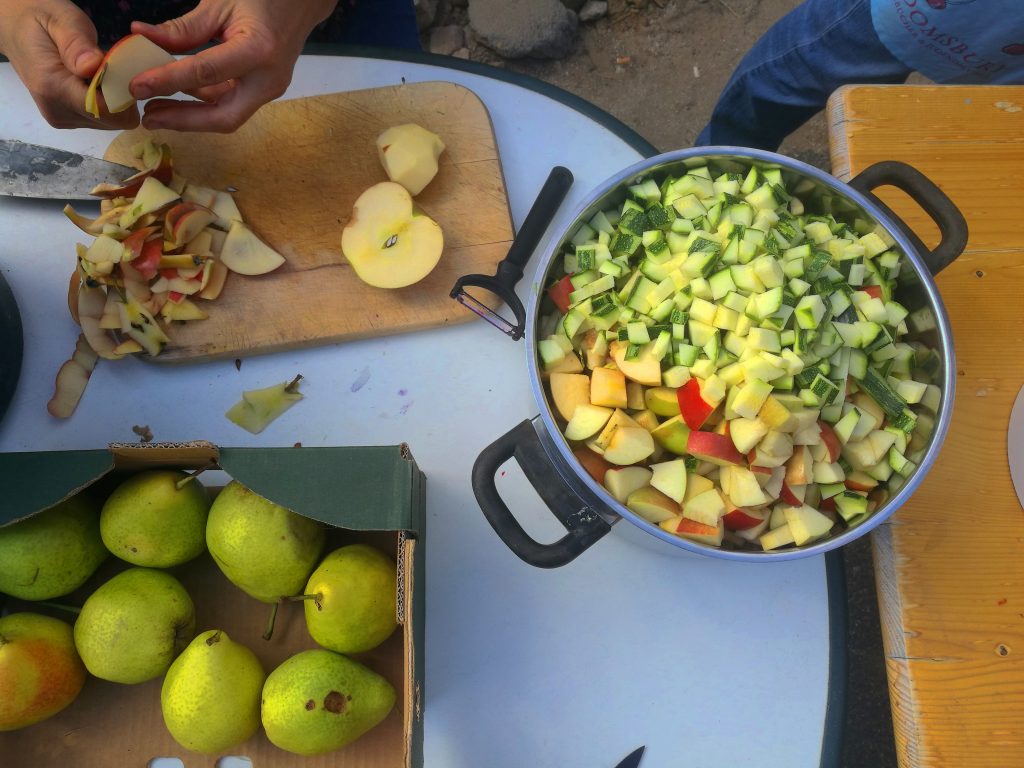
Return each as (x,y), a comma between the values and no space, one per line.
(480,309)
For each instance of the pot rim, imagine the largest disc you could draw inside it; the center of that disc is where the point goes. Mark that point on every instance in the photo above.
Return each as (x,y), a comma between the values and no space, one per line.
(558,448)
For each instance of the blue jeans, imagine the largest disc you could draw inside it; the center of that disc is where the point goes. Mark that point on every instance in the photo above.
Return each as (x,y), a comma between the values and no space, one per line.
(787,77)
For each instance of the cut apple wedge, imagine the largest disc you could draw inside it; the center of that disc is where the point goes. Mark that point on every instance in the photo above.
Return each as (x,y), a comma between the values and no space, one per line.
(587,420)
(409,155)
(244,253)
(569,390)
(652,505)
(386,242)
(623,481)
(126,58)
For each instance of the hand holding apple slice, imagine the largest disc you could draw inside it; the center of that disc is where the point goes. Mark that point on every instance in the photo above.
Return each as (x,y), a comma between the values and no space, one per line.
(387,243)
(126,58)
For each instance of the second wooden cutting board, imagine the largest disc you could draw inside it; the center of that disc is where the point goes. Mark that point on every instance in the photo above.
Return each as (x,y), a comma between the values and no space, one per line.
(298,167)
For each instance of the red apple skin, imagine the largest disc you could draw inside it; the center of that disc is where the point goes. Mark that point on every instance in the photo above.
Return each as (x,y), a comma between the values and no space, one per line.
(40,671)
(686,525)
(831,441)
(787,495)
(760,470)
(718,449)
(874,291)
(858,481)
(692,406)
(559,293)
(148,262)
(741,519)
(595,464)
(827,505)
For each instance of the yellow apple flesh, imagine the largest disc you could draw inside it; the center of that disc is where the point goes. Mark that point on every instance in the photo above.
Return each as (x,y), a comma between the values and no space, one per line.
(387,244)
(126,58)
(409,155)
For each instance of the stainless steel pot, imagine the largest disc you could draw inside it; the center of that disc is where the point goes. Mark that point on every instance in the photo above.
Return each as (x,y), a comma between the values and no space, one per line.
(583,506)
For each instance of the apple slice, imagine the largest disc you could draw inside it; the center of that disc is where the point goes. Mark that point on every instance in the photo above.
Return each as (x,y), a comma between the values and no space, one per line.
(693,407)
(644,368)
(587,420)
(806,523)
(569,390)
(670,477)
(629,445)
(592,462)
(621,482)
(742,487)
(409,155)
(718,449)
(608,387)
(243,252)
(706,507)
(672,435)
(128,57)
(652,505)
(387,243)
(744,519)
(153,195)
(692,529)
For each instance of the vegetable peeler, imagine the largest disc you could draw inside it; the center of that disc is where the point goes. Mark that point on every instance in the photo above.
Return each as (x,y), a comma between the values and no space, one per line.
(502,283)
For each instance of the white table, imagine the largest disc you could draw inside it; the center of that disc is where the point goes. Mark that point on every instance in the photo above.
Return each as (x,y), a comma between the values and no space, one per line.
(708,663)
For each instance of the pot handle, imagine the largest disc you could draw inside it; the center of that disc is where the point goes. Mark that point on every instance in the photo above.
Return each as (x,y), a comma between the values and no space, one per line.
(951,223)
(583,525)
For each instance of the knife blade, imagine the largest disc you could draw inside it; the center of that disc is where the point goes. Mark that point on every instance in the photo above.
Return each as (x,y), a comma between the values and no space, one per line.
(632,760)
(31,170)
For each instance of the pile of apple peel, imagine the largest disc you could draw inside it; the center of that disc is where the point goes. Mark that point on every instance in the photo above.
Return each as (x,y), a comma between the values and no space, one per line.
(163,247)
(388,242)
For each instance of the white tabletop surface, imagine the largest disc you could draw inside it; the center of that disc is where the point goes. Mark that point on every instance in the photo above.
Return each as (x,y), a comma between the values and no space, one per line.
(710,664)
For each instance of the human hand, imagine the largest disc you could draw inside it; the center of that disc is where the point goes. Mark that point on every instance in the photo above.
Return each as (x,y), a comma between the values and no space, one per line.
(260,41)
(52,46)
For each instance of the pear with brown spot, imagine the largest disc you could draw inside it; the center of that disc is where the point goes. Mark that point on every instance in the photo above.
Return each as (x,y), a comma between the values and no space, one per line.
(318,701)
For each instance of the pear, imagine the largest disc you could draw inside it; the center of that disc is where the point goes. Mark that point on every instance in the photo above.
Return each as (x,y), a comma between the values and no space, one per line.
(264,549)
(211,694)
(40,671)
(133,626)
(318,701)
(51,553)
(351,599)
(156,519)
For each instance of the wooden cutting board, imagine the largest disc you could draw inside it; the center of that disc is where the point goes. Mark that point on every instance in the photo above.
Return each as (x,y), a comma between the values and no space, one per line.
(298,166)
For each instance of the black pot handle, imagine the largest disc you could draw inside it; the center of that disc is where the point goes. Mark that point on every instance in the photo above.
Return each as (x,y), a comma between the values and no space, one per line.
(583,525)
(951,223)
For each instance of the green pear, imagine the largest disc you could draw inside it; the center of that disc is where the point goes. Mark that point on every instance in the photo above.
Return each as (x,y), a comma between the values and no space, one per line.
(319,701)
(264,549)
(40,671)
(211,694)
(134,625)
(351,599)
(51,553)
(156,520)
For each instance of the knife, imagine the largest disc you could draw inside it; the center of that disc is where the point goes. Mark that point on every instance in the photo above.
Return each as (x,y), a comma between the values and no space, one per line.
(30,170)
(632,760)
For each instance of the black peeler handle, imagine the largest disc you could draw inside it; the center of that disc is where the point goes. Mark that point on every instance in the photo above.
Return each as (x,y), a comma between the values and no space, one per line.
(510,270)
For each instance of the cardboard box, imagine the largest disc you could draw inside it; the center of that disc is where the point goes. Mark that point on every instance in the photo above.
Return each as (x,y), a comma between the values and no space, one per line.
(373,494)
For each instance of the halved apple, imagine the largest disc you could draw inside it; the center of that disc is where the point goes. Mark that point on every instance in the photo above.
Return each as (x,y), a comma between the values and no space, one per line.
(409,155)
(387,243)
(128,57)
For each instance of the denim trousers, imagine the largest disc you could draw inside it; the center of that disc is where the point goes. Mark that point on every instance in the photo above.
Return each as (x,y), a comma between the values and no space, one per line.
(787,77)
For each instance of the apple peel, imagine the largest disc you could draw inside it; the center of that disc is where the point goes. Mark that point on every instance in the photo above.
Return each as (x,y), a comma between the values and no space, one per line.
(72,379)
(259,407)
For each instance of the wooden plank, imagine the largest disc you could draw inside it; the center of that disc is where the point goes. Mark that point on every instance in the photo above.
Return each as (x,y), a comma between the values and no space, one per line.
(298,166)
(950,563)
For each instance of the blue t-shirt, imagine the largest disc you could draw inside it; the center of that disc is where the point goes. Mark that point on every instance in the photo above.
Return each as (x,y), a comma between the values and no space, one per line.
(955,41)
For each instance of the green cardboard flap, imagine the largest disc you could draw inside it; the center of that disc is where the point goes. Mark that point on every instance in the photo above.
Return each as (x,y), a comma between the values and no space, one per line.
(37,480)
(366,488)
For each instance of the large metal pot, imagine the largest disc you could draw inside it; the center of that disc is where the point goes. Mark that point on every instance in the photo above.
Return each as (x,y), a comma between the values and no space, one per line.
(583,506)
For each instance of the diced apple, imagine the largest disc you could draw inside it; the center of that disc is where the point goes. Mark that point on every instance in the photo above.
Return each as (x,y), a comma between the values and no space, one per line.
(694,408)
(622,481)
(799,468)
(744,519)
(592,462)
(629,445)
(662,400)
(806,524)
(718,449)
(635,396)
(672,435)
(776,415)
(670,478)
(860,481)
(741,486)
(644,368)
(691,529)
(618,419)
(830,441)
(652,505)
(696,485)
(608,388)
(706,507)
(746,433)
(776,537)
(792,495)
(569,390)
(827,473)
(587,420)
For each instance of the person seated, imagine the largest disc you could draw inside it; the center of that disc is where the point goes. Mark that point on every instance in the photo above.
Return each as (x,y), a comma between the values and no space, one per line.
(788,75)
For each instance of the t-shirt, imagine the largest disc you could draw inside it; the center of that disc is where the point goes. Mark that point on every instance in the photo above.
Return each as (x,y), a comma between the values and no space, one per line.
(955,41)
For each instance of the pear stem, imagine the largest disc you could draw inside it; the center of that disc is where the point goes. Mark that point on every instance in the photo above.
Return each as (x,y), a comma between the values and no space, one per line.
(60,606)
(296,598)
(293,385)
(269,632)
